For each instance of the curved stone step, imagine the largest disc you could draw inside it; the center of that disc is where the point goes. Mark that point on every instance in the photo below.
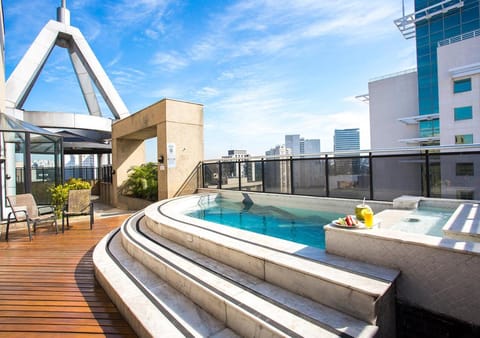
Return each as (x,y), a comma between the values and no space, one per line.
(358,295)
(248,305)
(151,306)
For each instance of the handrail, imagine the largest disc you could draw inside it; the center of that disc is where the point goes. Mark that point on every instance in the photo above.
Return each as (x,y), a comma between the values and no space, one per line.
(458,38)
(382,174)
(361,152)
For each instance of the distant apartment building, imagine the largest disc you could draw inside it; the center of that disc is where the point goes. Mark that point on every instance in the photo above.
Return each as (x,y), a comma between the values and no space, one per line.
(235,169)
(299,145)
(279,150)
(237,154)
(346,139)
(309,146)
(439,102)
(292,142)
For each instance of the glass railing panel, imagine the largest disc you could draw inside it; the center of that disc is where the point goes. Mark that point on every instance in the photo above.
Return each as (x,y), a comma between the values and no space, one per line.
(394,176)
(251,176)
(230,175)
(309,177)
(211,175)
(277,176)
(349,177)
(453,175)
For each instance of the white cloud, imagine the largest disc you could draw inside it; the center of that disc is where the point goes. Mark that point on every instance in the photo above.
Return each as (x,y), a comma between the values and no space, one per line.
(127,79)
(149,14)
(169,61)
(266,27)
(207,92)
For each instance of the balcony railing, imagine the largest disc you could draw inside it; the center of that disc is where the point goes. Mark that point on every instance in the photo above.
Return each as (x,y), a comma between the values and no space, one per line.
(446,172)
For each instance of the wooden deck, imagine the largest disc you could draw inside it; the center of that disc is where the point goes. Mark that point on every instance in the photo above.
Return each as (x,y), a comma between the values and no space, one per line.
(47,286)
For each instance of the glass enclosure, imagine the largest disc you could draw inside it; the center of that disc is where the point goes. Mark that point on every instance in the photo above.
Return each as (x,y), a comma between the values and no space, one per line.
(31,160)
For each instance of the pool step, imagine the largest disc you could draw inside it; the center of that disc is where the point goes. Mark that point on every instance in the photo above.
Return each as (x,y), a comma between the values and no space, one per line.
(358,295)
(151,306)
(463,224)
(248,305)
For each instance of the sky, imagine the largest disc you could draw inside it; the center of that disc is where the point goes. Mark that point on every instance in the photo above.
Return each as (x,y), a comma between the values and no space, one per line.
(261,68)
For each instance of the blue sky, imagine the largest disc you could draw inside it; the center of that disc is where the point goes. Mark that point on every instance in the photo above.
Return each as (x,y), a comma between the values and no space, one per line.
(262,69)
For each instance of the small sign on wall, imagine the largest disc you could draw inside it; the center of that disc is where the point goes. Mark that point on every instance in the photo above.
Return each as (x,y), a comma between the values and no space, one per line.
(171,155)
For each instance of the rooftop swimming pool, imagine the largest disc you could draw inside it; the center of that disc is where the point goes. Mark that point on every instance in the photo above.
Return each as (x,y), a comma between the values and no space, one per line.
(297,225)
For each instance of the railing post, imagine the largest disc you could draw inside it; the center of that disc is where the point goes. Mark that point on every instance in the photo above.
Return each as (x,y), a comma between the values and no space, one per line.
(291,176)
(327,183)
(263,174)
(370,173)
(239,175)
(427,172)
(219,175)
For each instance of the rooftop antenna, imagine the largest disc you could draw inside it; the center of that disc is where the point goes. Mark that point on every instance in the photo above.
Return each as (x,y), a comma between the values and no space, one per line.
(63,14)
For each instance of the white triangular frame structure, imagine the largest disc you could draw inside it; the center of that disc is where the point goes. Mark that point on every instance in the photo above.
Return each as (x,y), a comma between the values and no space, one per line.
(86,66)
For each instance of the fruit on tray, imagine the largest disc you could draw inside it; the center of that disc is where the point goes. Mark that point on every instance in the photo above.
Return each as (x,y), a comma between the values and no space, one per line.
(348,221)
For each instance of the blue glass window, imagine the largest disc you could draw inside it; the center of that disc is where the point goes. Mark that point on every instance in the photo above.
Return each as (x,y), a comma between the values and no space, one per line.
(463,113)
(464,139)
(429,128)
(461,86)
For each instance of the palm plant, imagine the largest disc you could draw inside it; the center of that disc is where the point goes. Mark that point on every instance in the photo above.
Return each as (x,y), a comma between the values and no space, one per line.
(142,182)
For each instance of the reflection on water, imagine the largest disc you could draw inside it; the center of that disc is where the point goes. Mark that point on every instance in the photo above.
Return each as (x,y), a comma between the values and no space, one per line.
(297,225)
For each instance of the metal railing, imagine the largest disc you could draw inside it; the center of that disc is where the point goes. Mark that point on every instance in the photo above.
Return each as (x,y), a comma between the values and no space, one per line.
(47,174)
(446,172)
(459,38)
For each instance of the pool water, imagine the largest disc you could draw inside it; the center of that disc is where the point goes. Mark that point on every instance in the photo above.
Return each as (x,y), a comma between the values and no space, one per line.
(297,225)
(426,221)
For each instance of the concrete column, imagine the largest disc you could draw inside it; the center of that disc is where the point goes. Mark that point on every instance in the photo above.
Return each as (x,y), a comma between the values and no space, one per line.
(126,153)
(178,127)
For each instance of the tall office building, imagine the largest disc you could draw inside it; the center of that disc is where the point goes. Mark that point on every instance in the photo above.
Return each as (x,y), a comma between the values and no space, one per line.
(309,146)
(292,142)
(346,139)
(279,150)
(438,102)
(299,145)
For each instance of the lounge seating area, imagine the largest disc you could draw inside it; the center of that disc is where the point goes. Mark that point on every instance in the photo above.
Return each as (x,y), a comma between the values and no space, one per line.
(24,209)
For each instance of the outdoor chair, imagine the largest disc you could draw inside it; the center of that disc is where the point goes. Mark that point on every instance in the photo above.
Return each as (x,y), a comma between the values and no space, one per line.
(78,203)
(25,209)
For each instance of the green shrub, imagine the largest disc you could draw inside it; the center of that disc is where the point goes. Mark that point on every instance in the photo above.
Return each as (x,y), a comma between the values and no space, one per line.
(59,193)
(142,182)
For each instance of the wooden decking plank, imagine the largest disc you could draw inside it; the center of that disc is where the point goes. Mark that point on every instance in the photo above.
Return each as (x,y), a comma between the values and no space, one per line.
(52,314)
(47,286)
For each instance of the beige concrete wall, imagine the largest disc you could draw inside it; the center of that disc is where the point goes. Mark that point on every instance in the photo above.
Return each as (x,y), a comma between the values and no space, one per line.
(174,123)
(125,154)
(182,127)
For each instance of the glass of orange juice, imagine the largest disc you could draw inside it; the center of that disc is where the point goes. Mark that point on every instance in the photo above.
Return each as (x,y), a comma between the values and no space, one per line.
(368,217)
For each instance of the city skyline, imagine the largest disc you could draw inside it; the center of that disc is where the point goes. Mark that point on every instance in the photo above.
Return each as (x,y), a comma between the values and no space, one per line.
(268,69)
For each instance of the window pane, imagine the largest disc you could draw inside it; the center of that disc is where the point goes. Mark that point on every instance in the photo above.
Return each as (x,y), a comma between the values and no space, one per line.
(464,169)
(460,86)
(463,113)
(464,139)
